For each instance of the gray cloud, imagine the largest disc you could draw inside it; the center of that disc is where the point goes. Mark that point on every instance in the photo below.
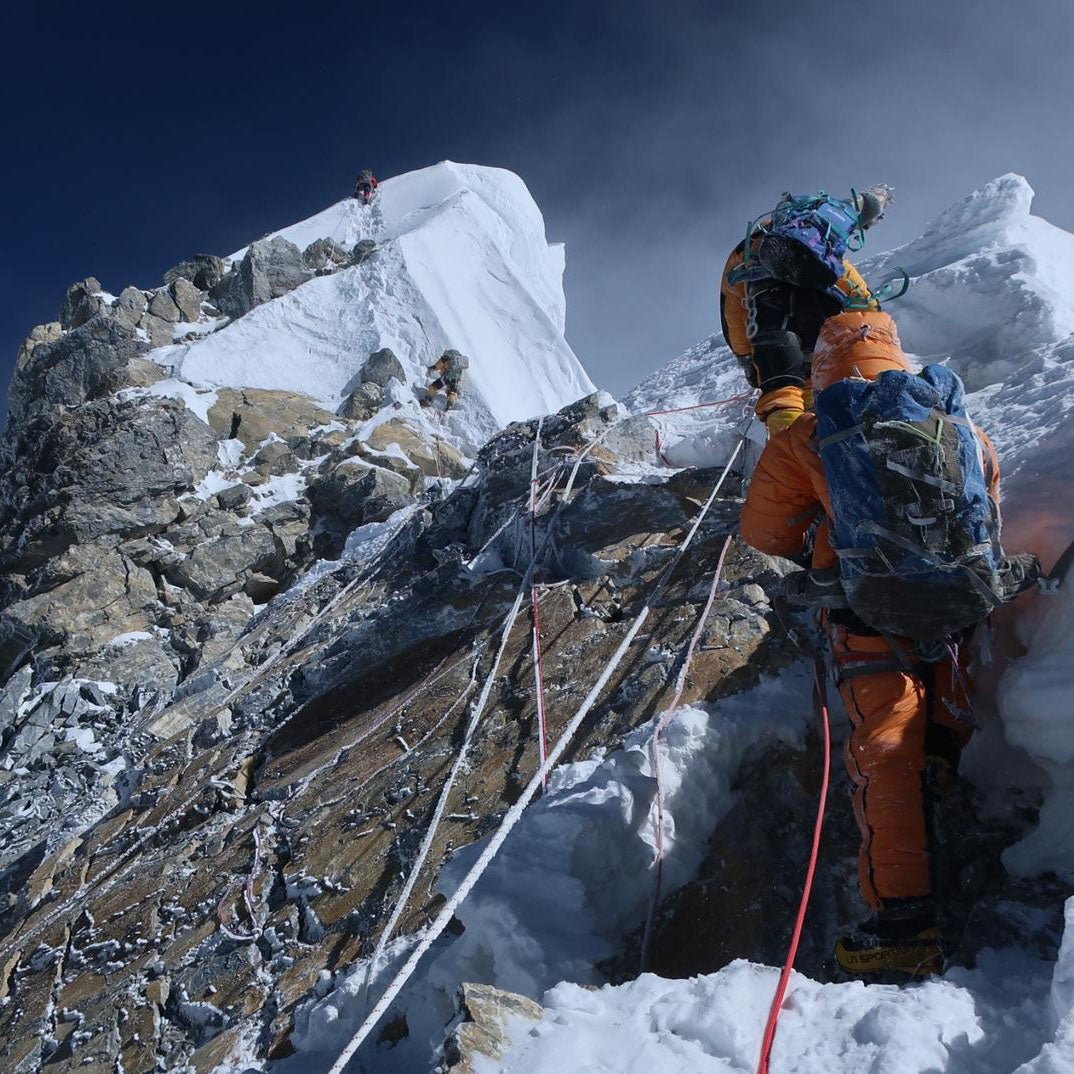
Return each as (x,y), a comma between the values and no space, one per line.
(651,184)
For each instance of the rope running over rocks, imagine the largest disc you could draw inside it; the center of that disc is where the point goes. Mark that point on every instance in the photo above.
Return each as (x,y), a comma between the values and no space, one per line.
(514,814)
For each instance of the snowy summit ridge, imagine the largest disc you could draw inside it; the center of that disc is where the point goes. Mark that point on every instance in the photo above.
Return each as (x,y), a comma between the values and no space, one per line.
(462,262)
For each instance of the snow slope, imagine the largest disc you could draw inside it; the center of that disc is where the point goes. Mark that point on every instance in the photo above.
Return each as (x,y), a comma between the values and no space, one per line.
(462,262)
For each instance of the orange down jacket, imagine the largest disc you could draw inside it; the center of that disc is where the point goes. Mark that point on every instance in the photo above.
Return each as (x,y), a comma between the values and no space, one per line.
(778,408)
(899,718)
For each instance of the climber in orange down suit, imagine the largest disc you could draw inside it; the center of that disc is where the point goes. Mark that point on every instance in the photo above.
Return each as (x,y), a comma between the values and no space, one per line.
(907,725)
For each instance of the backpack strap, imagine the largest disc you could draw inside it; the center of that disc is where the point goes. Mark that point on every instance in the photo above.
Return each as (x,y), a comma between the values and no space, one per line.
(843,434)
(930,557)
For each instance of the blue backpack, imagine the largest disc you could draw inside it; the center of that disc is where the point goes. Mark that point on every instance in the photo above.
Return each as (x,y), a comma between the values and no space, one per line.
(915,530)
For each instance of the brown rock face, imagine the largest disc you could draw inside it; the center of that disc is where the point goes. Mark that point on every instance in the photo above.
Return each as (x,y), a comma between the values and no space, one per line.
(253,414)
(482,1035)
(438,459)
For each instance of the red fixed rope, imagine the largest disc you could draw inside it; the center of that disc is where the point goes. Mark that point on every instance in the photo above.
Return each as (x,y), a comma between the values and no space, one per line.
(792,951)
(742,397)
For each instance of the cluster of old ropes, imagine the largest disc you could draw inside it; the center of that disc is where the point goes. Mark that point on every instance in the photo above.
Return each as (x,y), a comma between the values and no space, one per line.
(540,492)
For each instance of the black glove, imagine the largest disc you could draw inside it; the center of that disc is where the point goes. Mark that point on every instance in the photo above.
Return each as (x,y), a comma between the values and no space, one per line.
(778,361)
(1018,573)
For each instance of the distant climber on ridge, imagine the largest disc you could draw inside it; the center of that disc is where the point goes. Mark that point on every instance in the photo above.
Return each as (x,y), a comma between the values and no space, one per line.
(899,492)
(365,186)
(781,282)
(449,369)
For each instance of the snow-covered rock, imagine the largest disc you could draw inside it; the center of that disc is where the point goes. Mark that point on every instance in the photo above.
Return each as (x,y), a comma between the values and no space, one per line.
(462,261)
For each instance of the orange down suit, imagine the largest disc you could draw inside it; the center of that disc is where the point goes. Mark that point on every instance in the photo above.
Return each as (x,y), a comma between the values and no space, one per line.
(898,717)
(777,408)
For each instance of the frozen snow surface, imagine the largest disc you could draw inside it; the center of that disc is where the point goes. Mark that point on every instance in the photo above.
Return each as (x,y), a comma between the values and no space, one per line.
(986,1022)
(462,262)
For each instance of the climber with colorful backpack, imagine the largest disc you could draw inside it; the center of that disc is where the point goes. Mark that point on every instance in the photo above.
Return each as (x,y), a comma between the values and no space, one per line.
(449,369)
(897,492)
(365,186)
(787,276)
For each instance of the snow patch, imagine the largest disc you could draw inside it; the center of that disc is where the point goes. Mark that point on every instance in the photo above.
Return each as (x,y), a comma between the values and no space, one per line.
(197,400)
(285,488)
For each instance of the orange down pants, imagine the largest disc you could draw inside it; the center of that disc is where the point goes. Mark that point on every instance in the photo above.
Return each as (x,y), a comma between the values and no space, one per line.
(898,720)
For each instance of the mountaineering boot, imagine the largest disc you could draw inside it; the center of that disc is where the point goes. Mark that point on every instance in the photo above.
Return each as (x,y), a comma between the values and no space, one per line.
(895,944)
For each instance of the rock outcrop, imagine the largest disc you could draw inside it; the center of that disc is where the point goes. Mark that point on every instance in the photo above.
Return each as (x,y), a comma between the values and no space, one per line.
(204,271)
(270,268)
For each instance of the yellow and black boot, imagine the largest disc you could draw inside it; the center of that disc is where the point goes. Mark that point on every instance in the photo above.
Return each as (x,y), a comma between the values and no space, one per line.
(897,944)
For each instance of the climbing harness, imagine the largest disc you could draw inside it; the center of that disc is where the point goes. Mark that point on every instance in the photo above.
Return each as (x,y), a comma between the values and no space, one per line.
(820,673)
(892,288)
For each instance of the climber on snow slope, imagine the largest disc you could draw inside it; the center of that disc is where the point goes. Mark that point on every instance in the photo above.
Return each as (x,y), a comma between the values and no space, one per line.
(898,492)
(448,370)
(783,280)
(365,186)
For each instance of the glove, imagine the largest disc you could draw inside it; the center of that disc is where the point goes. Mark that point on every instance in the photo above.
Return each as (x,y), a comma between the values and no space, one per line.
(778,361)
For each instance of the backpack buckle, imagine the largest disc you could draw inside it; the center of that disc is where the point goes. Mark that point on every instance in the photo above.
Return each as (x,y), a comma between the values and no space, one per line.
(1049,587)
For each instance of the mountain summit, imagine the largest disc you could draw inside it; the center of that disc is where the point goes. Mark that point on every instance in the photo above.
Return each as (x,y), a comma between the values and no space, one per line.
(461,261)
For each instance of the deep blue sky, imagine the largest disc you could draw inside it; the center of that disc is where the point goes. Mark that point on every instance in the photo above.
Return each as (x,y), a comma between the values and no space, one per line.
(648,133)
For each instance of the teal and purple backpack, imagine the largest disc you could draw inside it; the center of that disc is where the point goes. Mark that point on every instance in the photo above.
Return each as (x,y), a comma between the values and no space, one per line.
(803,242)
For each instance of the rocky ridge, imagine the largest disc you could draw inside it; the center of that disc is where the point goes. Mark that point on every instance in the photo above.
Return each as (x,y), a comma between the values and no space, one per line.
(143,521)
(274,772)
